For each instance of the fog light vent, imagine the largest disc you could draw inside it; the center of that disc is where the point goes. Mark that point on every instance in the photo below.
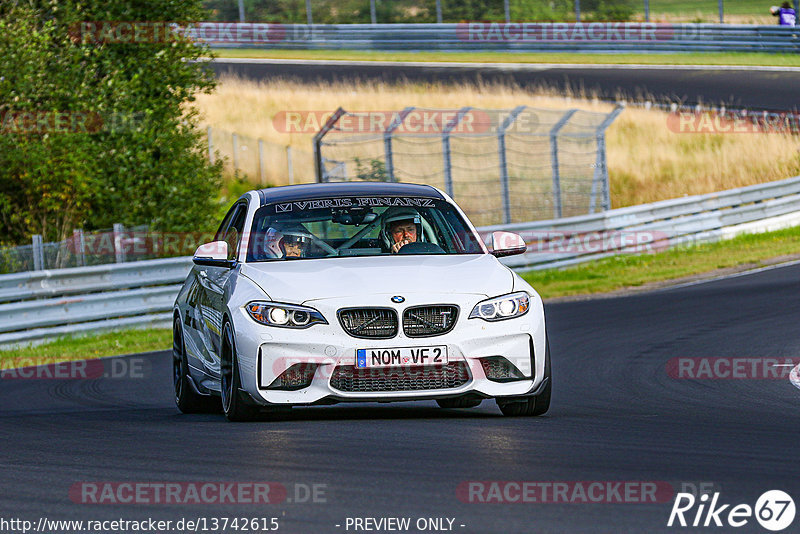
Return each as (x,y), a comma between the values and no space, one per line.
(499,369)
(298,376)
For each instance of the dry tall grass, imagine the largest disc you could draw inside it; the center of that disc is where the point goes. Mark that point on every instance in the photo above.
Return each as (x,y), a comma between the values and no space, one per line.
(647,161)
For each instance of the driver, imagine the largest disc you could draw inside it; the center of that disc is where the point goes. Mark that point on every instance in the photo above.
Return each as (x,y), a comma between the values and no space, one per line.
(401,226)
(286,241)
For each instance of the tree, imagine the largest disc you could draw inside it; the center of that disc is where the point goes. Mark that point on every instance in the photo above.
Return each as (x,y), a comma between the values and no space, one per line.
(128,149)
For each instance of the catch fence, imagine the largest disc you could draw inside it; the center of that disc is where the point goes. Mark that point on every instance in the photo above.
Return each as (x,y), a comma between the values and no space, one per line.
(501,166)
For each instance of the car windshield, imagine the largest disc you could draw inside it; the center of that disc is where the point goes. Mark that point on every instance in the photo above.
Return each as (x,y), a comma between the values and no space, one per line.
(359,226)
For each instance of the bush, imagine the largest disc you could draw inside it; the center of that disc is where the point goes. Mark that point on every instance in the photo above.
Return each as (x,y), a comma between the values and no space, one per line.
(133,153)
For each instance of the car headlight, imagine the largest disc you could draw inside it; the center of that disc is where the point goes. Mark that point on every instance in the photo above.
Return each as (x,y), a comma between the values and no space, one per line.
(500,308)
(284,315)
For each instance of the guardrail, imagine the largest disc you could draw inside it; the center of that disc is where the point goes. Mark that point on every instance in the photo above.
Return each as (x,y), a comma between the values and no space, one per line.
(652,227)
(42,304)
(501,36)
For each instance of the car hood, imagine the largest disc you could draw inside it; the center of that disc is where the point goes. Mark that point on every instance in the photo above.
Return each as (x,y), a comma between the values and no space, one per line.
(307,280)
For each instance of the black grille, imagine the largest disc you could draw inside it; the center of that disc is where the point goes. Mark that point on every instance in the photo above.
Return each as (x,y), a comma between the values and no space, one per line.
(427,321)
(371,323)
(353,379)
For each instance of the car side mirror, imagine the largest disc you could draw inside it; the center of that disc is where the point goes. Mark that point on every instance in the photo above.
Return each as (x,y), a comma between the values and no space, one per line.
(507,244)
(213,254)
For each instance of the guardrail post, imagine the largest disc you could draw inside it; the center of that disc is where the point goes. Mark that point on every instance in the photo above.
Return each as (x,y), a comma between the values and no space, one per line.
(554,161)
(501,152)
(647,10)
(507,11)
(721,12)
(37,250)
(372,13)
(577,10)
(79,242)
(261,170)
(438,11)
(387,141)
(210,145)
(317,143)
(119,251)
(448,170)
(309,18)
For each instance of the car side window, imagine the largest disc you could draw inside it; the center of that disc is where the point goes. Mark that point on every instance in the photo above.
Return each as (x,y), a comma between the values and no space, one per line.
(233,234)
(223,227)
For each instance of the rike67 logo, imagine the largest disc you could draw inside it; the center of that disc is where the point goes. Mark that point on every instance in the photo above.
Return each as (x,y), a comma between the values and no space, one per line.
(774,510)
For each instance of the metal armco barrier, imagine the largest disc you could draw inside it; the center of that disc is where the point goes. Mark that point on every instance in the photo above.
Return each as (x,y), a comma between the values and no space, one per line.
(43,304)
(512,36)
(656,226)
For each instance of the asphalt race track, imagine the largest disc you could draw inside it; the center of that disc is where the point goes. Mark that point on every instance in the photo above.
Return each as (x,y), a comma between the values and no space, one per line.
(755,89)
(617,415)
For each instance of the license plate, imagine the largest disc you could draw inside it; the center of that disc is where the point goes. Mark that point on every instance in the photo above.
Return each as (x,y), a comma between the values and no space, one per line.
(401,357)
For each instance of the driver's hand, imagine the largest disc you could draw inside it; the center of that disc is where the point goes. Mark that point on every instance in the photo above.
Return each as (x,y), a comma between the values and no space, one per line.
(400,244)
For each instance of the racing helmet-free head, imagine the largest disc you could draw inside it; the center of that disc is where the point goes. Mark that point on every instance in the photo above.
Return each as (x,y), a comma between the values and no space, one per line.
(281,234)
(397,214)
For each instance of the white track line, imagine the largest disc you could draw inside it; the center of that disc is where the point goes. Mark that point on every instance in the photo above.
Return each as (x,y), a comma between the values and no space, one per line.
(733,275)
(501,66)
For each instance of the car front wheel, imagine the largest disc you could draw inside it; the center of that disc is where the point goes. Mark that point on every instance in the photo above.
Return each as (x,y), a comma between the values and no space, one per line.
(233,404)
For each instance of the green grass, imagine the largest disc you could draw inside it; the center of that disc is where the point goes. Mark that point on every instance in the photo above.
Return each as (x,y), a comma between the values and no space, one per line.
(627,271)
(87,348)
(730,7)
(720,58)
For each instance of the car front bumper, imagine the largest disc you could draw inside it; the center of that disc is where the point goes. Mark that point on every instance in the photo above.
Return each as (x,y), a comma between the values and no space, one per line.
(265,353)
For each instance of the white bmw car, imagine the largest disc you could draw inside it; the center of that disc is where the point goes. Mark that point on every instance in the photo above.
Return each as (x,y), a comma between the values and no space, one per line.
(356,292)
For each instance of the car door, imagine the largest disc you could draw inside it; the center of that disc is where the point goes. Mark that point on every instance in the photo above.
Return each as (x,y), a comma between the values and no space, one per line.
(216,279)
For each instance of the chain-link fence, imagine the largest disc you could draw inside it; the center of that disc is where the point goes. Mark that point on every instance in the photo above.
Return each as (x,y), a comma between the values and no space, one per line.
(113,245)
(501,166)
(262,162)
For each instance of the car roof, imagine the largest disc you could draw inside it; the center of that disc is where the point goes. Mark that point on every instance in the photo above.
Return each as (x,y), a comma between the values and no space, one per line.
(345,189)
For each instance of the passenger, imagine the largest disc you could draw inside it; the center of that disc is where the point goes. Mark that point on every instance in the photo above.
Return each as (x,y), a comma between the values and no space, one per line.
(286,241)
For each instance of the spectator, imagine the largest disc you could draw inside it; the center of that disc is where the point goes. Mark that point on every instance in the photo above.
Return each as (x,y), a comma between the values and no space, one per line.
(786,15)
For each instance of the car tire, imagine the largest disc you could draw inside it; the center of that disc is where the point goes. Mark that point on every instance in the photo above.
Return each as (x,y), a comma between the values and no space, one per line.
(234,405)
(458,402)
(531,406)
(186,398)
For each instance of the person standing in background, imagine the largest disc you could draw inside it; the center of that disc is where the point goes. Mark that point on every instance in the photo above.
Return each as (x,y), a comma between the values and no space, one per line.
(786,15)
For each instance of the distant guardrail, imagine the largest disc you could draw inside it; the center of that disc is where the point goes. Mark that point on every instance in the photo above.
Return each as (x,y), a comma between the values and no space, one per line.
(41,304)
(501,36)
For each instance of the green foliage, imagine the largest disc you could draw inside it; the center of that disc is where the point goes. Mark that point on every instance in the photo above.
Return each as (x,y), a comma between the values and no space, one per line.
(374,171)
(130,151)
